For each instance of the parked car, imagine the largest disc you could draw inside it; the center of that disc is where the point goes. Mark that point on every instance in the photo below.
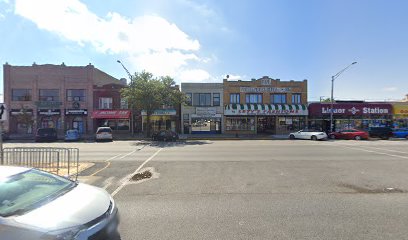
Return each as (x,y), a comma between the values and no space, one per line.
(46,135)
(72,135)
(39,205)
(165,135)
(349,134)
(400,132)
(308,134)
(380,132)
(104,133)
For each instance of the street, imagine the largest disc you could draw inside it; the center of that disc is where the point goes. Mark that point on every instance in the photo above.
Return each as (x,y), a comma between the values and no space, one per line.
(253,189)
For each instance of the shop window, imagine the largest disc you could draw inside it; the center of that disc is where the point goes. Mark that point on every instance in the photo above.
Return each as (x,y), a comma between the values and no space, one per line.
(21,94)
(202,99)
(253,98)
(76,95)
(278,98)
(216,99)
(105,103)
(296,98)
(49,95)
(189,99)
(240,124)
(234,98)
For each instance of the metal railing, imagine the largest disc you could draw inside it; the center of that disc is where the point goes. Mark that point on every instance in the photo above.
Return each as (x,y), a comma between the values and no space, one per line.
(61,161)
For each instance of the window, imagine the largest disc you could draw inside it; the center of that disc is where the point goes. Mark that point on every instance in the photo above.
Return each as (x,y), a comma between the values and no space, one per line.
(234,98)
(202,99)
(49,95)
(278,98)
(216,99)
(253,98)
(296,98)
(76,95)
(21,94)
(240,124)
(105,103)
(189,99)
(124,103)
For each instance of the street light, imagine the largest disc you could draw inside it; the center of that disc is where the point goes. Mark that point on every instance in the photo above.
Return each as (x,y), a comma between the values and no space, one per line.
(130,75)
(131,81)
(332,86)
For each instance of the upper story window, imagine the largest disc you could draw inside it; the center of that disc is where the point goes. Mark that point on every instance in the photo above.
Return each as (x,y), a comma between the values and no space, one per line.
(189,99)
(216,99)
(21,95)
(76,95)
(49,95)
(253,98)
(124,103)
(202,99)
(278,98)
(234,98)
(296,98)
(105,103)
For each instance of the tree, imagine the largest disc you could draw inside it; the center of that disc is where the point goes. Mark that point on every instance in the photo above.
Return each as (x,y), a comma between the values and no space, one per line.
(148,93)
(25,118)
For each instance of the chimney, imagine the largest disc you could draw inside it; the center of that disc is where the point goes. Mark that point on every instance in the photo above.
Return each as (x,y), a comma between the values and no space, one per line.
(123,81)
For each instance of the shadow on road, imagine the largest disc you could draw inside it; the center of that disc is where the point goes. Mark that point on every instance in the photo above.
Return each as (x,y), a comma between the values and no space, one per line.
(179,143)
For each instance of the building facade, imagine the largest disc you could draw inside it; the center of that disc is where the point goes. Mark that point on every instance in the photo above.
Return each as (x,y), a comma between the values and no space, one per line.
(400,114)
(264,106)
(56,96)
(203,113)
(360,115)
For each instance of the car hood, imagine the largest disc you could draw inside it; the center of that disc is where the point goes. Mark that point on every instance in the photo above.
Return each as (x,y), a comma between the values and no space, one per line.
(79,206)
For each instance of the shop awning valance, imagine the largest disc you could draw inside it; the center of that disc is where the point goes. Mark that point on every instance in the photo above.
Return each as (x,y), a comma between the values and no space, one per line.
(266,109)
(111,114)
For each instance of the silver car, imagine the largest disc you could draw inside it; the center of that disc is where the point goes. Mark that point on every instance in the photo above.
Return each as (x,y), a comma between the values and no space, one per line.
(308,134)
(39,205)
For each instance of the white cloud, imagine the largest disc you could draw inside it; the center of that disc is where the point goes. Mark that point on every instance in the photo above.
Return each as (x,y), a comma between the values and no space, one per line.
(194,75)
(390,89)
(2,16)
(149,42)
(233,77)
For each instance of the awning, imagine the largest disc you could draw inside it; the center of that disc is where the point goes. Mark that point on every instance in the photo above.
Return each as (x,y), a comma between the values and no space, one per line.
(111,114)
(266,109)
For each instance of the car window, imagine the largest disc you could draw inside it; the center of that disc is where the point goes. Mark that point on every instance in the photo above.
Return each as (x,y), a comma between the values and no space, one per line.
(102,130)
(26,191)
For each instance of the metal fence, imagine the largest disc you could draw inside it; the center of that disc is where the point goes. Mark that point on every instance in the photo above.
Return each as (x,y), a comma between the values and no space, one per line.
(61,161)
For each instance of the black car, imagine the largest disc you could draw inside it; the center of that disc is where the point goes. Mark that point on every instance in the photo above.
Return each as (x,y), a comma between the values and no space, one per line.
(165,135)
(46,135)
(380,132)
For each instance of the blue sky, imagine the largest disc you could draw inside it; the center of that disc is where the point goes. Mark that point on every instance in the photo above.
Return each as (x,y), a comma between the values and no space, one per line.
(202,41)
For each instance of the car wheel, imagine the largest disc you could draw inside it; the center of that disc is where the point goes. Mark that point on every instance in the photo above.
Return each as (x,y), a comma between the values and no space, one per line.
(292,137)
(357,137)
(314,138)
(332,136)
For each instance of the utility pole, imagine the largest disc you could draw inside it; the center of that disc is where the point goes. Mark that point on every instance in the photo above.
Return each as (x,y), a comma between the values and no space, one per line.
(1,135)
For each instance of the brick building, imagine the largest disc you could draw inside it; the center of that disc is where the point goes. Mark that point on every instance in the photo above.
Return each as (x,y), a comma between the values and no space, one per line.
(264,106)
(56,96)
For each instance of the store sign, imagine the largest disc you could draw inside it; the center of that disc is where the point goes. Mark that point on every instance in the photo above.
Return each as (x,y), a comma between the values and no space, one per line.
(162,112)
(48,104)
(15,112)
(203,111)
(400,109)
(111,114)
(350,109)
(246,112)
(76,112)
(265,89)
(49,112)
(218,115)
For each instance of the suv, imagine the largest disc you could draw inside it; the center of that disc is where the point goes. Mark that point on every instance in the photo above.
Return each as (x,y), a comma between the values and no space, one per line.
(104,133)
(381,132)
(46,134)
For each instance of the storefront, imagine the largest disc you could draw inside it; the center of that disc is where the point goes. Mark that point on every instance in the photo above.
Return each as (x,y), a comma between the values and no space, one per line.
(21,121)
(117,120)
(206,121)
(162,119)
(264,118)
(360,115)
(76,119)
(400,115)
(49,118)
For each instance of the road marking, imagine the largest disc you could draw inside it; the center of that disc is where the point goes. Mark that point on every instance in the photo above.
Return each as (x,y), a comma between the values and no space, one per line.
(108,182)
(137,170)
(127,154)
(372,151)
(100,170)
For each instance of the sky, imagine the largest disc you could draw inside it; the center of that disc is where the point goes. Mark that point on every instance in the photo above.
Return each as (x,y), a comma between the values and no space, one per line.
(204,40)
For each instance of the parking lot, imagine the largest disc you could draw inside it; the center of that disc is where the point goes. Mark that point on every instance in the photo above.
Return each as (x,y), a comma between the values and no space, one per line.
(253,189)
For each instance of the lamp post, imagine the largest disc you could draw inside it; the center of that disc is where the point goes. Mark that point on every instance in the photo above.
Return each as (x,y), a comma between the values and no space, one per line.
(332,87)
(131,81)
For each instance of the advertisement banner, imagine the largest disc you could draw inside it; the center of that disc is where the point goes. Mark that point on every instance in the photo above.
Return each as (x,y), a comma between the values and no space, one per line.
(350,109)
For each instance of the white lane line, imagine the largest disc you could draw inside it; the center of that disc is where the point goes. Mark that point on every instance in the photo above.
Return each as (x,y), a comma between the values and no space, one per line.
(372,151)
(107,182)
(382,149)
(137,170)
(107,160)
(127,154)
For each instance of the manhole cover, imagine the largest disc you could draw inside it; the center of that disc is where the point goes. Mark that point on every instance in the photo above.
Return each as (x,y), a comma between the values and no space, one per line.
(142,175)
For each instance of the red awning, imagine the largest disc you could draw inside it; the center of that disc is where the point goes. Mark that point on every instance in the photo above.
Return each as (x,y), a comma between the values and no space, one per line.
(109,114)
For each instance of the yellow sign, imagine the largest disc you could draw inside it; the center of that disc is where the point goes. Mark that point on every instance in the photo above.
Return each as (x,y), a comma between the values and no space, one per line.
(400,109)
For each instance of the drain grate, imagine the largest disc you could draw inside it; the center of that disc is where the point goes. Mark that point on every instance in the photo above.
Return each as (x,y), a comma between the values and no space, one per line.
(142,175)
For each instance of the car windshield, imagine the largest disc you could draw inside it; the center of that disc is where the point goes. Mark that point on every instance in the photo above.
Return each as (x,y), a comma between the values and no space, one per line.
(28,190)
(104,130)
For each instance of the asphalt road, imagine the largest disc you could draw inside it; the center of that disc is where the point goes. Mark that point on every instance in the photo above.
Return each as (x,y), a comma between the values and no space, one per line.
(255,189)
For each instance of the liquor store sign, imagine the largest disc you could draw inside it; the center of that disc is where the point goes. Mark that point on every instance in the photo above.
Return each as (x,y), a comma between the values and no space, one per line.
(316,109)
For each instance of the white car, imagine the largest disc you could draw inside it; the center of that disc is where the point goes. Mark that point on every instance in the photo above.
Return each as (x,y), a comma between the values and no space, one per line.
(40,205)
(308,134)
(104,133)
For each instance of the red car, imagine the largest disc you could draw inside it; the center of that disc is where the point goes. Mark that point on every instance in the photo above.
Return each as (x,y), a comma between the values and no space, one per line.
(349,134)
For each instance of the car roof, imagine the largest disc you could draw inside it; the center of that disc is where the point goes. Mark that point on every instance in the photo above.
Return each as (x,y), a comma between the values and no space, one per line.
(6,171)
(103,127)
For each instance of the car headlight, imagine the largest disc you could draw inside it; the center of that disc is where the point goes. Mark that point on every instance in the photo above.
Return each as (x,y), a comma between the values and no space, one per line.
(64,234)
